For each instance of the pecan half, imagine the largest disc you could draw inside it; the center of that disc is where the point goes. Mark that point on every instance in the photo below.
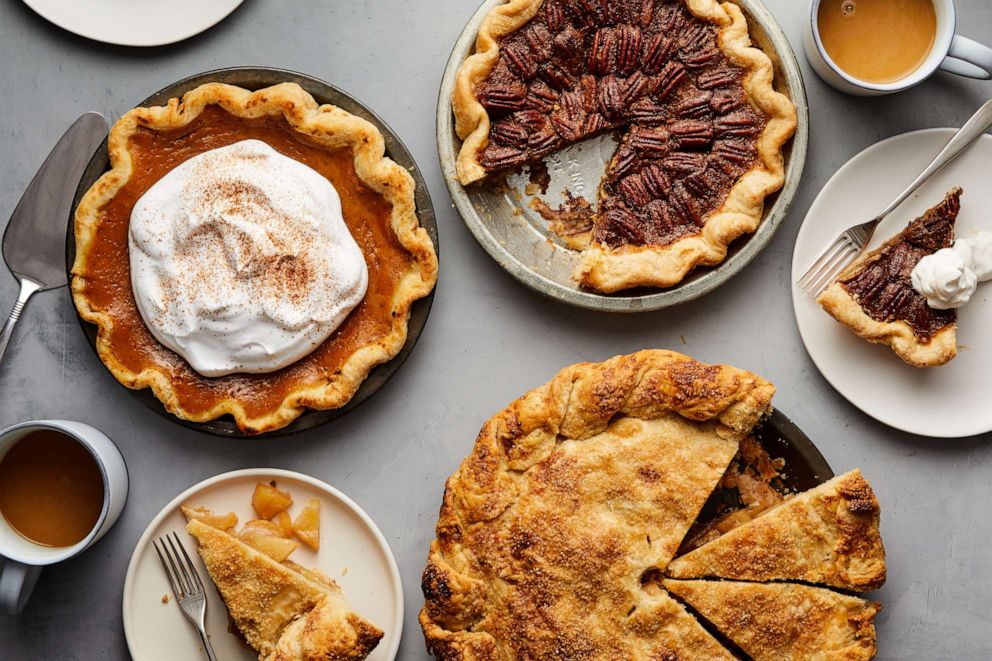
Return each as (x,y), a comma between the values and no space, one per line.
(538,39)
(624,225)
(669,79)
(649,142)
(734,152)
(601,54)
(541,97)
(656,180)
(636,86)
(628,47)
(610,97)
(595,123)
(656,51)
(723,101)
(518,57)
(634,191)
(554,16)
(502,96)
(569,127)
(680,164)
(568,46)
(624,161)
(543,139)
(717,77)
(738,125)
(509,132)
(697,45)
(691,134)
(556,77)
(646,111)
(682,206)
(496,157)
(695,106)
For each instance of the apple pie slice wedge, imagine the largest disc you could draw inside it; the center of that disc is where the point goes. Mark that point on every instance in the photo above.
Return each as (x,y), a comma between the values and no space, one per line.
(827,535)
(784,621)
(284,611)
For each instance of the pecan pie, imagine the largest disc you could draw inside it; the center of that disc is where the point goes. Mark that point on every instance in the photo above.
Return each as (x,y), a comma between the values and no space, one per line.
(377,205)
(555,533)
(703,126)
(875,298)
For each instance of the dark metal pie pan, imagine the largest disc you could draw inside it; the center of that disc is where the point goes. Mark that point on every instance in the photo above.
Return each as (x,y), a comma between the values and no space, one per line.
(323,92)
(502,221)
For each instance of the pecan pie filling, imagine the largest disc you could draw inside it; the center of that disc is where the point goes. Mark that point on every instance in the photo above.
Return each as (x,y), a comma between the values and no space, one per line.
(366,213)
(581,68)
(882,287)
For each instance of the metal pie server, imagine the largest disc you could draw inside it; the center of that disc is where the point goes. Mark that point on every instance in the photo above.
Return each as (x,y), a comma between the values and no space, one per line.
(34,242)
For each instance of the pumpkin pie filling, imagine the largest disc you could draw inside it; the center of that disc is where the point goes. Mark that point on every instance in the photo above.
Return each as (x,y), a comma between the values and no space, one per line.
(366,213)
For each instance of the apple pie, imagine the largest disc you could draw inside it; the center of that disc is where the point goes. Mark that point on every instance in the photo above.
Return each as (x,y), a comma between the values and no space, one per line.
(702,126)
(783,621)
(284,611)
(555,533)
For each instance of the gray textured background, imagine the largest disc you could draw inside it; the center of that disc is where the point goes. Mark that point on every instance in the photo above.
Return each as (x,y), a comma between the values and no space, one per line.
(488,339)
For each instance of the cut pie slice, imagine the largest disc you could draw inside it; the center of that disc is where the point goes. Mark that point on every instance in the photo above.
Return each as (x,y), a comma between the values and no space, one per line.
(783,621)
(572,500)
(285,612)
(874,296)
(827,535)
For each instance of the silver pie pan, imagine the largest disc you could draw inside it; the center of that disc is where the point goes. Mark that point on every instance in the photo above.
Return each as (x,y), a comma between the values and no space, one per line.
(517,237)
(256,78)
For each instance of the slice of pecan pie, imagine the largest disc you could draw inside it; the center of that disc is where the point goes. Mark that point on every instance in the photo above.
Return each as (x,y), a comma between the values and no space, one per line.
(874,296)
(704,127)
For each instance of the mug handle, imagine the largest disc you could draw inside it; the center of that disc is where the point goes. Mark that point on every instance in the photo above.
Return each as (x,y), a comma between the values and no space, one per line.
(17,581)
(968,58)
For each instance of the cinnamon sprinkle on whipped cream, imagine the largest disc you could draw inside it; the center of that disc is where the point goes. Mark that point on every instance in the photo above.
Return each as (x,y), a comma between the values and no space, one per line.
(241,260)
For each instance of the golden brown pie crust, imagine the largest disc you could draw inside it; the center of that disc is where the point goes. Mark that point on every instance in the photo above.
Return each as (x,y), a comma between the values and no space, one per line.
(570,499)
(378,200)
(784,622)
(828,535)
(610,270)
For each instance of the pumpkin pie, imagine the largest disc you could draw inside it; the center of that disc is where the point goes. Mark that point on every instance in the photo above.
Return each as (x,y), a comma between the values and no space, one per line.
(377,204)
(702,126)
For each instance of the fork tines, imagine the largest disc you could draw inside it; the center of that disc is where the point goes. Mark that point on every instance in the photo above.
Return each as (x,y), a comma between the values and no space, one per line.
(178,567)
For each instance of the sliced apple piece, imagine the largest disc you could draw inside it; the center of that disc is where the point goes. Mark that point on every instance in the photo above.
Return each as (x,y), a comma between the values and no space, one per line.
(307,524)
(224,522)
(285,523)
(268,501)
(277,548)
(261,527)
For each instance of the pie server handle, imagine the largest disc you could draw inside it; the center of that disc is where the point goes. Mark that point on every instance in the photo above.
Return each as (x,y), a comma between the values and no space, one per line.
(28,287)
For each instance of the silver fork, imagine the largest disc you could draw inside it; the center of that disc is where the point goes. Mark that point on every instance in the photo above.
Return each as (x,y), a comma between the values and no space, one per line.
(849,244)
(186,585)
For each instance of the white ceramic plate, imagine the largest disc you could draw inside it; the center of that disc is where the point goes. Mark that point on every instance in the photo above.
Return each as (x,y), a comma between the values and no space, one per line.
(352,551)
(947,401)
(135,22)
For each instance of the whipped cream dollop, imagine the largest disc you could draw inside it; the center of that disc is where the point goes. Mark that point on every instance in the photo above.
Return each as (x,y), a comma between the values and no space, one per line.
(241,260)
(949,277)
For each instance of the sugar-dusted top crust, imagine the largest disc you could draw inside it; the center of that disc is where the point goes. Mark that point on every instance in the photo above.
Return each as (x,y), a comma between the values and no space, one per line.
(283,613)
(639,257)
(330,128)
(784,622)
(828,535)
(572,499)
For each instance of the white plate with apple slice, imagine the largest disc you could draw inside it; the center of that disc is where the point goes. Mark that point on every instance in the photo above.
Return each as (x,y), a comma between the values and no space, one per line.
(352,551)
(947,401)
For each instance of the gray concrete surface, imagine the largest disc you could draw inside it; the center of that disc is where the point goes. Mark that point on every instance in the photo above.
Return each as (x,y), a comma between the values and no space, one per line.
(488,340)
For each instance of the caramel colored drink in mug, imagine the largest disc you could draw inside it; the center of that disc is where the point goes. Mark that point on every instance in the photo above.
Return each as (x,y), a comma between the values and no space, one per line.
(51,489)
(877,41)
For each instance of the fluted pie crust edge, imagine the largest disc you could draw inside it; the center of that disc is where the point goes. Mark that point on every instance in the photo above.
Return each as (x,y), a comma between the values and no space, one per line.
(326,125)
(610,270)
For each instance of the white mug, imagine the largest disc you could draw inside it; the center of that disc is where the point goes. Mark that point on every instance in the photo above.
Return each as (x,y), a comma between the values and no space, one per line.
(951,52)
(24,559)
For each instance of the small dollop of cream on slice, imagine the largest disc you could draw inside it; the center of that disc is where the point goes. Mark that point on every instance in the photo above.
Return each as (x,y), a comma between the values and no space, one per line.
(241,261)
(949,277)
